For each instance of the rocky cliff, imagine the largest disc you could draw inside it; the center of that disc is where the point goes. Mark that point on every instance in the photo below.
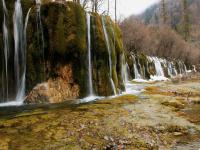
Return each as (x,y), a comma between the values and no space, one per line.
(57,51)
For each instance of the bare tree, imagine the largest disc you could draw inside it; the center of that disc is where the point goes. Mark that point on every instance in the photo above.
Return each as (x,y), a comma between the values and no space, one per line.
(164,12)
(96,5)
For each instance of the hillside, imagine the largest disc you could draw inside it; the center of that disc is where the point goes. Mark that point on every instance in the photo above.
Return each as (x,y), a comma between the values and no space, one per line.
(175,17)
(146,33)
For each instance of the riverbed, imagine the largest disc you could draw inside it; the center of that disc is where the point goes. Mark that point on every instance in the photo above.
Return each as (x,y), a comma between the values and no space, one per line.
(162,115)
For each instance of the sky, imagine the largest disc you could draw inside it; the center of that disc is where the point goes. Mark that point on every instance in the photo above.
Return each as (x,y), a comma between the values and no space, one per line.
(130,7)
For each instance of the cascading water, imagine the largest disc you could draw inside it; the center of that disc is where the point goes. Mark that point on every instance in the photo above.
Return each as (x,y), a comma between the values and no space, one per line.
(125,73)
(6,54)
(185,68)
(90,83)
(170,69)
(19,32)
(158,66)
(109,53)
(25,26)
(19,56)
(180,67)
(159,70)
(137,74)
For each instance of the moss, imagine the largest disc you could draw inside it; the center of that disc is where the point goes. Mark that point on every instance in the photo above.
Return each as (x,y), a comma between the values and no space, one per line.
(174,104)
(65,42)
(100,58)
(142,58)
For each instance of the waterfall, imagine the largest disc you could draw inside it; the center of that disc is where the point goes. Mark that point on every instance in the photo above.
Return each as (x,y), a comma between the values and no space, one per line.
(25,26)
(180,68)
(158,66)
(160,76)
(19,56)
(194,68)
(109,53)
(170,69)
(124,70)
(185,68)
(137,74)
(90,83)
(6,53)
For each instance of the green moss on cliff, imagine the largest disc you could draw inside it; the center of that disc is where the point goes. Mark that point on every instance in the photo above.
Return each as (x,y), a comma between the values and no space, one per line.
(62,39)
(100,57)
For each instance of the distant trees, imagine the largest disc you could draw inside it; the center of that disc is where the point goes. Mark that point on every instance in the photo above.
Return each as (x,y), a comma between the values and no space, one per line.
(162,41)
(184,27)
(186,20)
(164,12)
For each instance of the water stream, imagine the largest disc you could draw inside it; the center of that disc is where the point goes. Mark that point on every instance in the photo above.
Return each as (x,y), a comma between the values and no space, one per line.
(90,83)
(19,56)
(136,71)
(19,32)
(5,85)
(109,53)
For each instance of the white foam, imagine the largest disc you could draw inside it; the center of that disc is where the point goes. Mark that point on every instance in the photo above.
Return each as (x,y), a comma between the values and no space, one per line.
(11,103)
(90,98)
(132,89)
(140,80)
(158,78)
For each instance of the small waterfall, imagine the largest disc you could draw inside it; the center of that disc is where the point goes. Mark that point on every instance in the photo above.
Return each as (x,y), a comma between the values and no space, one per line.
(109,53)
(175,71)
(124,71)
(170,69)
(90,83)
(126,68)
(194,68)
(137,74)
(6,53)
(185,68)
(180,67)
(158,66)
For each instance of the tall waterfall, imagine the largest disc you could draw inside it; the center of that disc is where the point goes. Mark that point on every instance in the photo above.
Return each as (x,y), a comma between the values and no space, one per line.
(20,54)
(90,83)
(6,54)
(109,53)
(19,57)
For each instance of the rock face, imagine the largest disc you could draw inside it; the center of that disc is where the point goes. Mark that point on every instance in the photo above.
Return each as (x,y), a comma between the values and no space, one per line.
(55,90)
(57,52)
